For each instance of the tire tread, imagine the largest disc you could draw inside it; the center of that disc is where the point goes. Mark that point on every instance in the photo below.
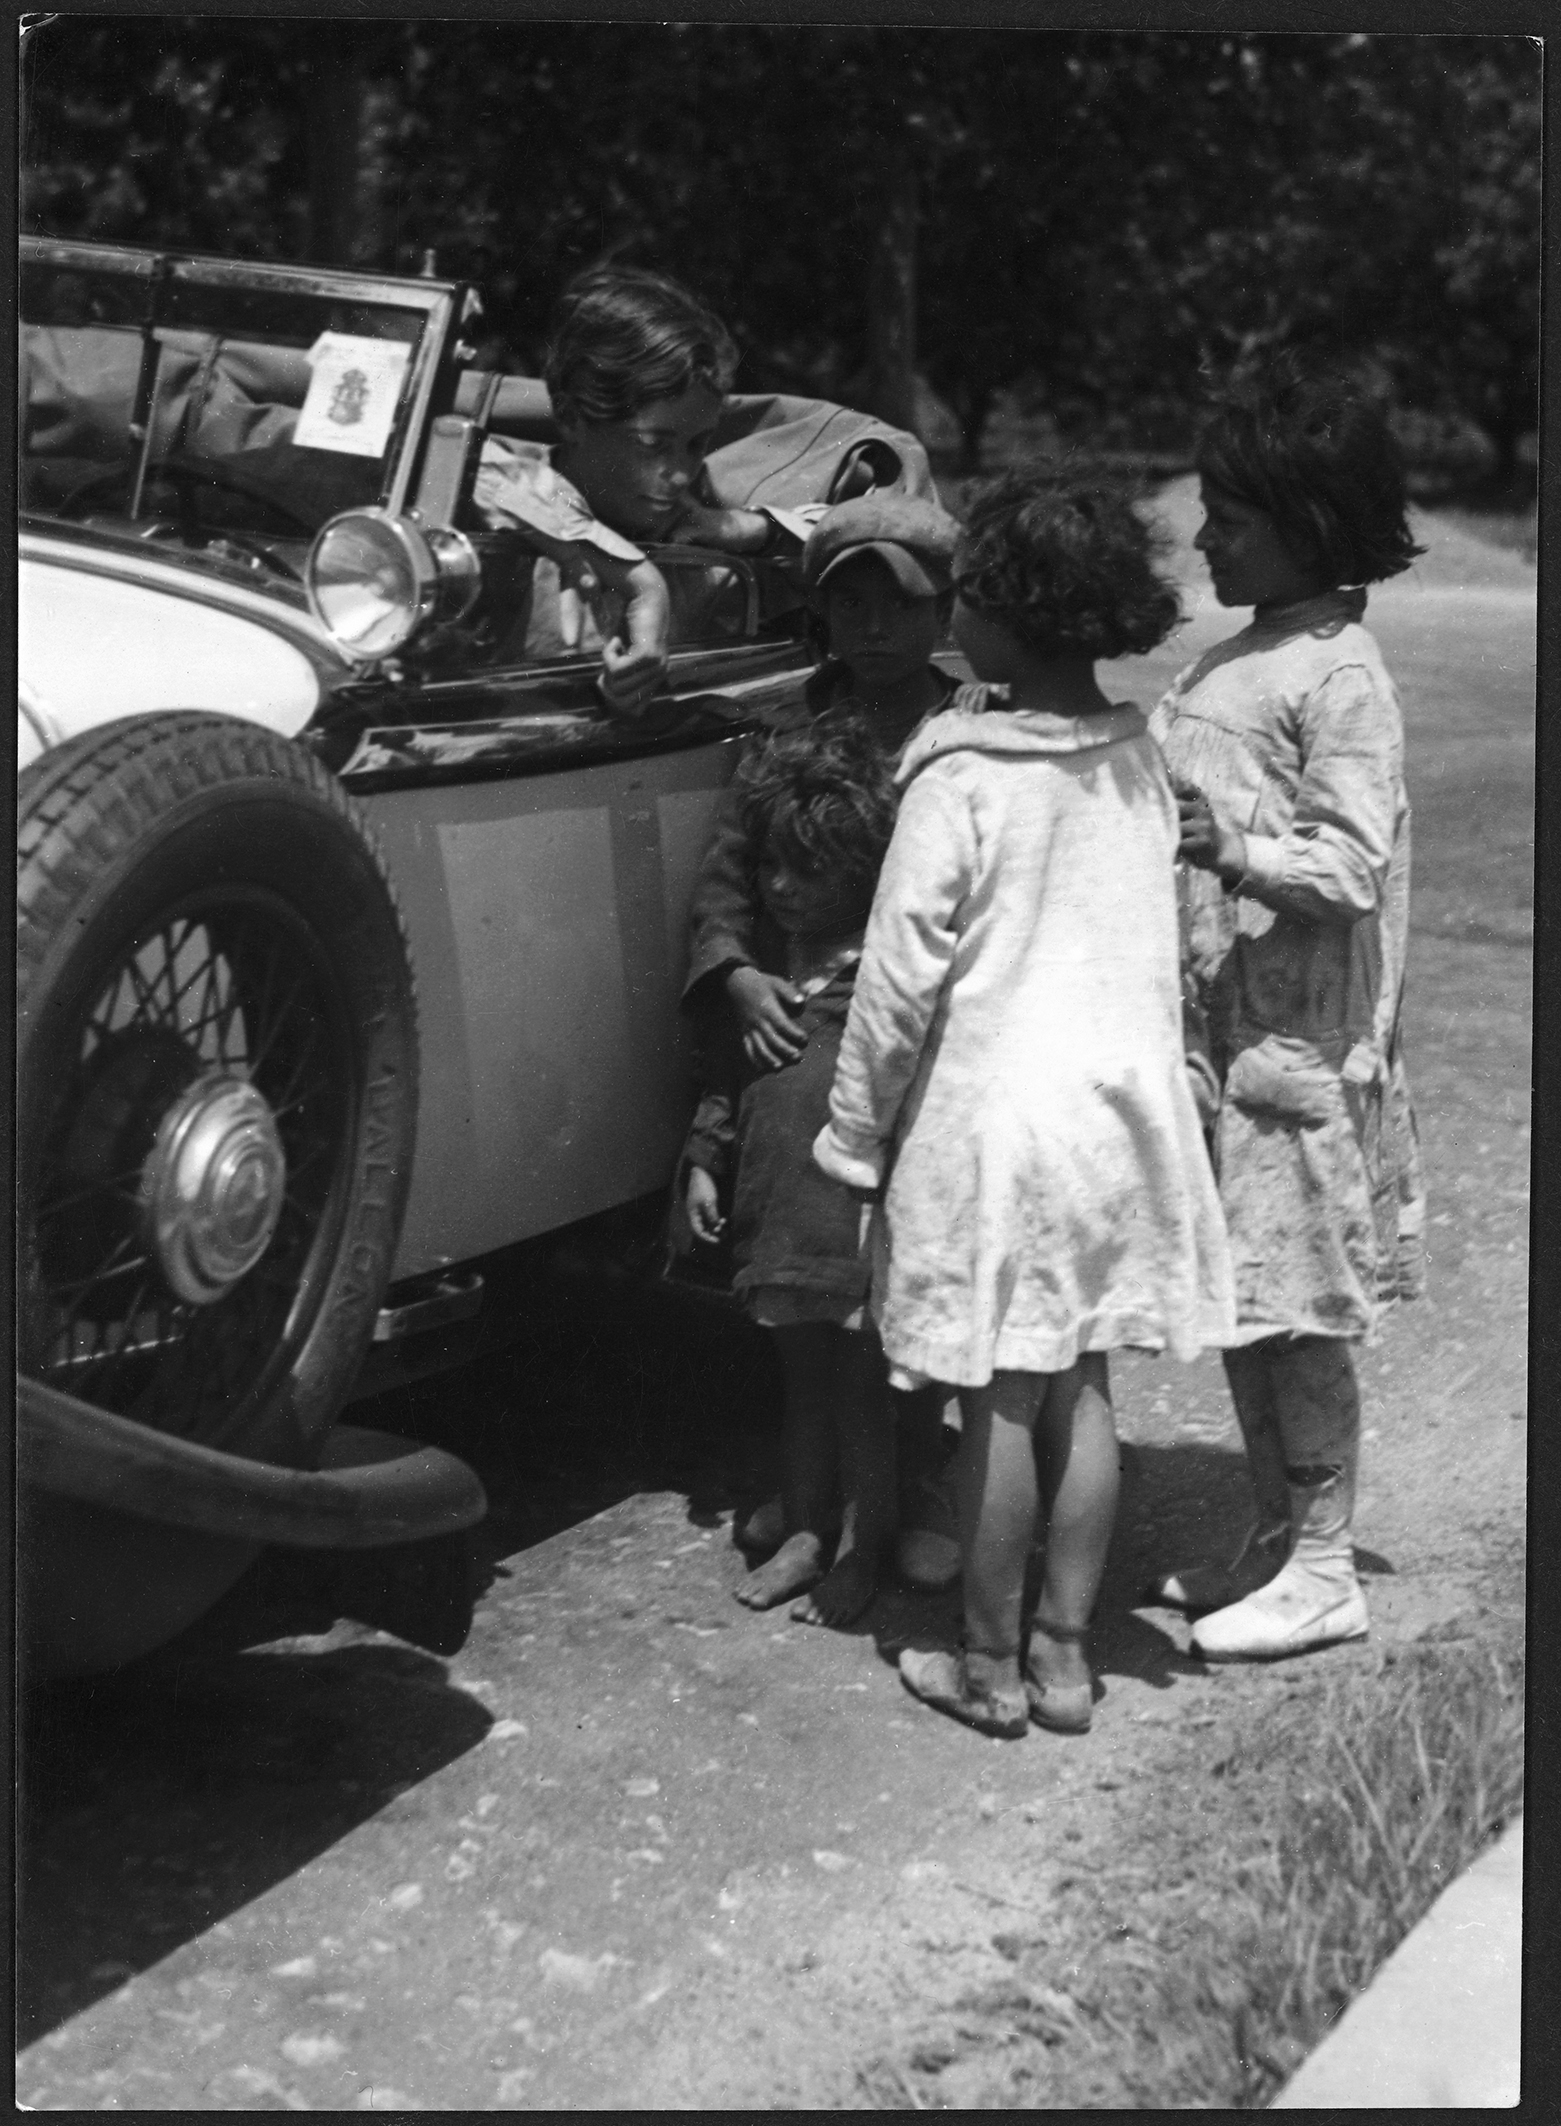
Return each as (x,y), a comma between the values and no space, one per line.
(83,803)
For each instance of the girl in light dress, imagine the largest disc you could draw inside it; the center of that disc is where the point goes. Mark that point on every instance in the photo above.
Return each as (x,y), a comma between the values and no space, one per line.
(1012,1084)
(1286,743)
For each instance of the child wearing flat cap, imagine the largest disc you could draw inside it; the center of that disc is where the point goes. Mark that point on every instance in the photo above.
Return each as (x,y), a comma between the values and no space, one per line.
(878,572)
(879,578)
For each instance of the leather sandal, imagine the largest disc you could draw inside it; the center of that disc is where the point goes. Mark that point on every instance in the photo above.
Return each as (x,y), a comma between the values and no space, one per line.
(1064,1708)
(942,1679)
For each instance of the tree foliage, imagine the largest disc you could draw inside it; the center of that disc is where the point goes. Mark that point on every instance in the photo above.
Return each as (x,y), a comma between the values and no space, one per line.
(1101,214)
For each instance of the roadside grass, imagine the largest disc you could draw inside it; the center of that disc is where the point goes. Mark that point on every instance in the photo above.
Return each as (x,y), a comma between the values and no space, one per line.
(1379,1798)
(1316,1845)
(1245,1898)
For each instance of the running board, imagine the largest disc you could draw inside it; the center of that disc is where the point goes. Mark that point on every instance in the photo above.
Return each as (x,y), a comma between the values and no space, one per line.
(432,1303)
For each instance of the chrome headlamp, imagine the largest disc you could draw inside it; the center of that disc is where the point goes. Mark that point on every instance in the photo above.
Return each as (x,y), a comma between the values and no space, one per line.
(375,580)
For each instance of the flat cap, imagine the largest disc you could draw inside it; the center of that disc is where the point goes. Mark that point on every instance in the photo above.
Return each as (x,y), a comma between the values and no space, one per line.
(912,536)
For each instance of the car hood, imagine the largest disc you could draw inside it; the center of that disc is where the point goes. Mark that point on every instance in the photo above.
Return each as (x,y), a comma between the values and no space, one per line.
(102,633)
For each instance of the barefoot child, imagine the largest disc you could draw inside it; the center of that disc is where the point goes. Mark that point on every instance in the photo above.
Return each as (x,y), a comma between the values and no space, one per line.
(878,572)
(1287,747)
(1012,1079)
(820,809)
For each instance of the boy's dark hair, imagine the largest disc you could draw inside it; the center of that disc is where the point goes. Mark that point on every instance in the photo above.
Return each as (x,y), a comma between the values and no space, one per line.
(1314,452)
(822,798)
(622,337)
(1061,558)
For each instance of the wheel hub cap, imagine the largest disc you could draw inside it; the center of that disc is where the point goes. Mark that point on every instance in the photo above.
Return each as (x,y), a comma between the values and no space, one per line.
(212,1187)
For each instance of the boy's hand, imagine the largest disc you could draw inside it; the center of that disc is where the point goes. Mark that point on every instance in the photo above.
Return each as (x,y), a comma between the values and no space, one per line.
(634,662)
(631,675)
(734,531)
(702,1202)
(1206,841)
(766,1005)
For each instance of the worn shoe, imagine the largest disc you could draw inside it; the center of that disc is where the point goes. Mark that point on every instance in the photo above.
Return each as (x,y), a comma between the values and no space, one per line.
(941,1679)
(1263,1551)
(1065,1708)
(1298,1611)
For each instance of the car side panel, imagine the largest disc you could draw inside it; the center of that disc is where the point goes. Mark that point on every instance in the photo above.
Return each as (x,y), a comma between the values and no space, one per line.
(548,916)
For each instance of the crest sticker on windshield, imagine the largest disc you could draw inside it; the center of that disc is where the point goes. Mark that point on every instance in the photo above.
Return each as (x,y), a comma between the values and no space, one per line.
(353,394)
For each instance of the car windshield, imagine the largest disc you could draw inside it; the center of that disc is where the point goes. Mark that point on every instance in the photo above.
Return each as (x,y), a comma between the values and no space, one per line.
(212,398)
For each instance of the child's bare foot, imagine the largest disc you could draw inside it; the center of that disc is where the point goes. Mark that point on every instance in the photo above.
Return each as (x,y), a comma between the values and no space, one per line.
(795,1567)
(764,1531)
(842,1595)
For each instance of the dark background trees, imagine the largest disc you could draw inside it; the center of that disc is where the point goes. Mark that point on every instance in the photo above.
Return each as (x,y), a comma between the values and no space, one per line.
(1081,218)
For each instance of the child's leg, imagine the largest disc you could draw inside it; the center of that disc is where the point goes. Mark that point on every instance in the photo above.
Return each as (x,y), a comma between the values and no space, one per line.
(998,1501)
(864,1426)
(809,1356)
(1078,1451)
(995,1473)
(1266,1544)
(1316,1600)
(927,1552)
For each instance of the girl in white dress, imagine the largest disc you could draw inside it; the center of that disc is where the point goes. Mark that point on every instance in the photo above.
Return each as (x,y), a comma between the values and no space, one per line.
(1012,1079)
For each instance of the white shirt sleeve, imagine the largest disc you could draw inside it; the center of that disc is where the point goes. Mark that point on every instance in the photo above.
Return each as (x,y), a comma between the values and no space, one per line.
(517,486)
(906,957)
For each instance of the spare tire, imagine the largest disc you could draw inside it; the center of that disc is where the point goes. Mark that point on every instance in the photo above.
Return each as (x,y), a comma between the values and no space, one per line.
(216,1081)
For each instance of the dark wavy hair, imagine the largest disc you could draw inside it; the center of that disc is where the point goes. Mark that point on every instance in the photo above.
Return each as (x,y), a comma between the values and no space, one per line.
(1060,557)
(621,337)
(823,799)
(1314,452)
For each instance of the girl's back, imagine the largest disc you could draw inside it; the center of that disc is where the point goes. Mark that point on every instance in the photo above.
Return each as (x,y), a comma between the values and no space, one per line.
(1067,946)
(1019,1006)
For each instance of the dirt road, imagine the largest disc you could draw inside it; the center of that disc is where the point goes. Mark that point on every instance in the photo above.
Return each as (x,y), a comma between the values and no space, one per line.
(637,1847)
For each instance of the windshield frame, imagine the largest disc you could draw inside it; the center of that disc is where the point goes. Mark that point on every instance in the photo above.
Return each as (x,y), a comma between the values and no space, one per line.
(161,272)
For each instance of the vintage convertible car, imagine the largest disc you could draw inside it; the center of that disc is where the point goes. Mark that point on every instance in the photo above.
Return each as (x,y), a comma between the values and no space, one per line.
(349,942)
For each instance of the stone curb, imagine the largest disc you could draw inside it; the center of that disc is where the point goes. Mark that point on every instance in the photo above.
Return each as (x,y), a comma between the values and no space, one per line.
(1440,2024)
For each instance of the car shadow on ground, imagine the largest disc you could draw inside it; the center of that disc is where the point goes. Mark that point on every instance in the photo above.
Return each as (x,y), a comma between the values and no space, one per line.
(608,1388)
(156,1801)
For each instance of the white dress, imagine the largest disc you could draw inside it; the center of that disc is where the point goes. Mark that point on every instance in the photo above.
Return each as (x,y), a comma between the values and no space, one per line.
(1013,1062)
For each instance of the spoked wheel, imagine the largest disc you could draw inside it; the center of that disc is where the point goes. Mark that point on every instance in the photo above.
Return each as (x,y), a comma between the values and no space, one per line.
(196,1168)
(217,1081)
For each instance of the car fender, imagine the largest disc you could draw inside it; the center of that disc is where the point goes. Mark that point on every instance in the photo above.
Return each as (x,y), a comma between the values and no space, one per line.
(369,1489)
(98,639)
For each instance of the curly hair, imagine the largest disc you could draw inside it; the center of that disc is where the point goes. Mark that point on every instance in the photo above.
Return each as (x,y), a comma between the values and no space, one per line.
(822,798)
(622,337)
(1060,557)
(1313,451)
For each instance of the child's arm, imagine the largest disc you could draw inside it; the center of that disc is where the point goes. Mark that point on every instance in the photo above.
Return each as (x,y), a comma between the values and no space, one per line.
(707,1159)
(778,533)
(721,947)
(909,948)
(721,915)
(517,488)
(1331,864)
(702,1202)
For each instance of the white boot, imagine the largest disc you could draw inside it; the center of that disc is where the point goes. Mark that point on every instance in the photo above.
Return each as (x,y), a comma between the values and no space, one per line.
(1264,1548)
(1314,1601)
